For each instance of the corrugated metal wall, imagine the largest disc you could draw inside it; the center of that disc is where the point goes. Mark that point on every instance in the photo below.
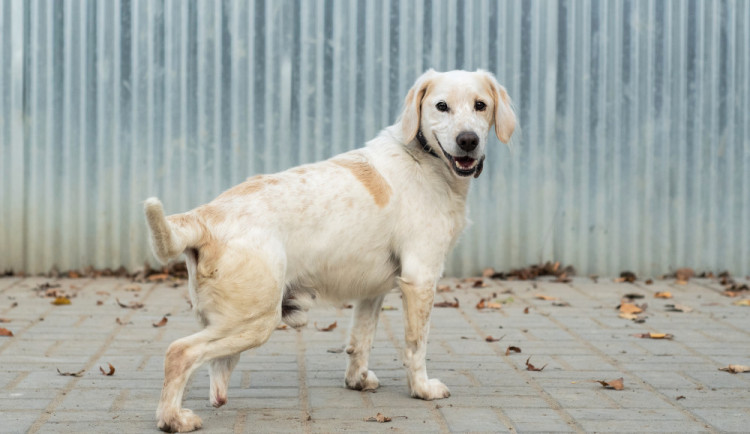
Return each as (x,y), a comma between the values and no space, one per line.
(633,153)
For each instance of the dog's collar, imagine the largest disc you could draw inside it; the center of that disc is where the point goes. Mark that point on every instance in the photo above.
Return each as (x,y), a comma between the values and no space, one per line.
(427,148)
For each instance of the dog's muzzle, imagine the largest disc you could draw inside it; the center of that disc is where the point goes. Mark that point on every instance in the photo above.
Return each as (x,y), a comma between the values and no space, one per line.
(462,166)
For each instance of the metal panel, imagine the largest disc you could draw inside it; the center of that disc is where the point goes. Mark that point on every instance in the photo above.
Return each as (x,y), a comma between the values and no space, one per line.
(633,150)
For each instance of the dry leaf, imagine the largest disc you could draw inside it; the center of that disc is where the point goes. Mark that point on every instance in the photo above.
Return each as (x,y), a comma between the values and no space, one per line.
(654,335)
(649,282)
(71,374)
(2,320)
(161,323)
(612,384)
(443,288)
(512,349)
(663,294)
(119,321)
(99,302)
(380,418)
(5,332)
(326,329)
(627,276)
(680,397)
(735,369)
(282,327)
(59,301)
(111,370)
(132,305)
(479,283)
(633,296)
(745,302)
(155,277)
(545,297)
(678,308)
(560,303)
(530,367)
(526,309)
(630,308)
(491,339)
(388,308)
(447,303)
(684,274)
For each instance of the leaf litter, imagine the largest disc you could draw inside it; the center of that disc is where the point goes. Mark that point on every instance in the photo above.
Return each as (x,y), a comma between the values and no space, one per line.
(735,369)
(616,384)
(530,367)
(109,373)
(330,327)
(453,304)
(71,374)
(161,323)
(512,349)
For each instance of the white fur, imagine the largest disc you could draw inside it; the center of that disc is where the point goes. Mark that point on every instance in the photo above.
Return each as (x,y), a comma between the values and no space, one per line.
(350,228)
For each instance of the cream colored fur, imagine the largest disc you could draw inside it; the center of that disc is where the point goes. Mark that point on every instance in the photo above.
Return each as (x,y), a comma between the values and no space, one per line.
(350,228)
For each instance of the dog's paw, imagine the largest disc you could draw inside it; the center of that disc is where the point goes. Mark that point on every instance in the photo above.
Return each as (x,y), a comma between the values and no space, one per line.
(431,389)
(183,420)
(364,381)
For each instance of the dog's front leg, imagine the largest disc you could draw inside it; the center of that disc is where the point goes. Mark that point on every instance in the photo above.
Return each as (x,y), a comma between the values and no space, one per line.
(418,296)
(365,321)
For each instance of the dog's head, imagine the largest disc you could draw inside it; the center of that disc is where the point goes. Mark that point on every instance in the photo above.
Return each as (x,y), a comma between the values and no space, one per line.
(451,113)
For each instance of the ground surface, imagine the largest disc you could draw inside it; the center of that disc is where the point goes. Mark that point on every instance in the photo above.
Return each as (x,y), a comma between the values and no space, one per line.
(294,384)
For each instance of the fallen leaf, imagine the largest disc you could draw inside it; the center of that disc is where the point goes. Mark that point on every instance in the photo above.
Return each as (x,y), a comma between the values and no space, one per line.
(99,302)
(71,374)
(680,397)
(530,367)
(612,384)
(678,308)
(735,369)
(630,308)
(161,323)
(119,321)
(111,370)
(443,288)
(2,320)
(155,277)
(447,303)
(626,276)
(388,308)
(632,316)
(512,349)
(633,296)
(132,305)
(479,284)
(745,302)
(654,335)
(282,327)
(5,332)
(59,301)
(526,309)
(684,274)
(545,297)
(380,418)
(649,282)
(347,306)
(102,293)
(560,303)
(491,339)
(326,329)
(664,294)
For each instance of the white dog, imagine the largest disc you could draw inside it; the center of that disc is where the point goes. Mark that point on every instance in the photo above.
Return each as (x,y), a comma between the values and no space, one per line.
(349,228)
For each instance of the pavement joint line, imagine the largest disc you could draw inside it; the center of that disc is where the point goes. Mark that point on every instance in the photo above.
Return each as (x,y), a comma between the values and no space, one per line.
(239,421)
(553,403)
(304,394)
(433,409)
(49,410)
(16,381)
(120,400)
(644,384)
(12,285)
(504,419)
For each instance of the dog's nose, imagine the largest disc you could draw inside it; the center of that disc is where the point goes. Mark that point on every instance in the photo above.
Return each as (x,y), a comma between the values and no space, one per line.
(467,141)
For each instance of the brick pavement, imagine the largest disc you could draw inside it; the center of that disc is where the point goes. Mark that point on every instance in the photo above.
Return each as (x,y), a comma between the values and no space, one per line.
(295,384)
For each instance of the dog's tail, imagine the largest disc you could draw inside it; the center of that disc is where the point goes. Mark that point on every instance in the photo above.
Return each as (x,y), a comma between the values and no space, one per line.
(169,237)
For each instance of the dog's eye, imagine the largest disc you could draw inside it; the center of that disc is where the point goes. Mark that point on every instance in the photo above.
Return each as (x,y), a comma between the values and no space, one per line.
(480,106)
(442,106)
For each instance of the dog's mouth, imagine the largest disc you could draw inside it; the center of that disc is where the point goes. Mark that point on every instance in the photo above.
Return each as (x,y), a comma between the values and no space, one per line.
(463,165)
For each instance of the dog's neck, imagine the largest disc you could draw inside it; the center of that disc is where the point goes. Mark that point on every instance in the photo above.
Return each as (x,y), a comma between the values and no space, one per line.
(425,146)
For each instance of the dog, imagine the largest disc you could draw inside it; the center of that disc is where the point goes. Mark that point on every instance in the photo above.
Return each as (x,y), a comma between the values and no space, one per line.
(351,228)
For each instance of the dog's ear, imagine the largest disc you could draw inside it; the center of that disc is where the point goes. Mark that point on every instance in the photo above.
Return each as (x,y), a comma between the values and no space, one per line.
(505,117)
(412,113)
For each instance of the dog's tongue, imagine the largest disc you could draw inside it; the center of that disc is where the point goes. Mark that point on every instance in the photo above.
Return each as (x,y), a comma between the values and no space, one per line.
(465,162)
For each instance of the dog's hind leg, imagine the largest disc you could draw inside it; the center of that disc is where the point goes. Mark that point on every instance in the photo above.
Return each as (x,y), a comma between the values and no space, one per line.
(366,314)
(220,370)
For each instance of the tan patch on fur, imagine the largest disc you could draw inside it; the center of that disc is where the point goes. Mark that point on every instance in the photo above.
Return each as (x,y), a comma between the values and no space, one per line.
(370,178)
(250,186)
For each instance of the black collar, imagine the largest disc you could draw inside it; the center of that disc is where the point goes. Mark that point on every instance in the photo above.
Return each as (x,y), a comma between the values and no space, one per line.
(427,148)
